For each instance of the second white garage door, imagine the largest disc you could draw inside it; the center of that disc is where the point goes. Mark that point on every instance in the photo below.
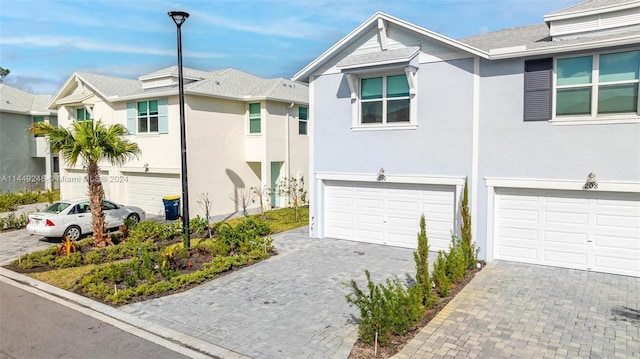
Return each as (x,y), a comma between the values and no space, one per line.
(76,181)
(387,213)
(599,231)
(146,190)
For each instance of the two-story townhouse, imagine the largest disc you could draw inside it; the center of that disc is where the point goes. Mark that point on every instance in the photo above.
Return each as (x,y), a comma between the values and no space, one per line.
(242,131)
(542,120)
(25,160)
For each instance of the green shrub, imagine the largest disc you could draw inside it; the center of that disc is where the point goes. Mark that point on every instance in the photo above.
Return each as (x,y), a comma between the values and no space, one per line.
(198,225)
(72,260)
(456,261)
(469,249)
(385,309)
(94,257)
(10,200)
(14,222)
(442,281)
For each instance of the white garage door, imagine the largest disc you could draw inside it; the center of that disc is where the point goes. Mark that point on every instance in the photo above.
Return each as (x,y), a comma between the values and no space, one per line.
(78,186)
(598,231)
(146,190)
(386,213)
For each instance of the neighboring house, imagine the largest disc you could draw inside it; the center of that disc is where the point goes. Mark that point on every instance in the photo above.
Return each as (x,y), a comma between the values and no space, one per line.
(401,115)
(25,161)
(242,131)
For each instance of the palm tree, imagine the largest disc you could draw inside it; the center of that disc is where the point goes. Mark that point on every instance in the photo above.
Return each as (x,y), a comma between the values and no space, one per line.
(92,142)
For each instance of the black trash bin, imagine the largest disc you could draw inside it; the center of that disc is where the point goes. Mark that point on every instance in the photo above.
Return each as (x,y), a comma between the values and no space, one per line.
(171,207)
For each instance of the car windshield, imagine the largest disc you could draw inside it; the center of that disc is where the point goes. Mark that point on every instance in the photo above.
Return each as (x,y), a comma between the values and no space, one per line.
(57,207)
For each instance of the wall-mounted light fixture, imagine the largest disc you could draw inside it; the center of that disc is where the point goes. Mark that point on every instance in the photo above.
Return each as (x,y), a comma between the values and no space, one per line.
(381,176)
(592,182)
(146,167)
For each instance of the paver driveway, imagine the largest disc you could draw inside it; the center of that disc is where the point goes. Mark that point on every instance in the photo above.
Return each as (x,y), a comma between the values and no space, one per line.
(515,310)
(289,306)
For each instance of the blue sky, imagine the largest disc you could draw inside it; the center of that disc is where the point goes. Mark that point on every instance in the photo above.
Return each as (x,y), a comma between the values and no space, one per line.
(43,42)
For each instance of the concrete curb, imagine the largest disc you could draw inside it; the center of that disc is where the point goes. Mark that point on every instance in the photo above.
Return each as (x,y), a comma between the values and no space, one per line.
(196,348)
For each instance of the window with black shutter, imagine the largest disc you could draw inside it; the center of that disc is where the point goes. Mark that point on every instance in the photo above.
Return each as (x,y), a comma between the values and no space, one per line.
(537,89)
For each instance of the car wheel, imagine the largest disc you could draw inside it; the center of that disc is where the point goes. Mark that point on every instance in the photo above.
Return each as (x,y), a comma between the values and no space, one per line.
(134,217)
(73,233)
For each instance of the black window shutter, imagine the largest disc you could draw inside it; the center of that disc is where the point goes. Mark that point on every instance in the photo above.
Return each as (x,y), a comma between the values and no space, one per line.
(537,89)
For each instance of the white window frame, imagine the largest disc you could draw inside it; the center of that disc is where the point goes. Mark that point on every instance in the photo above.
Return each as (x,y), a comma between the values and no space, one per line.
(148,118)
(353,79)
(249,118)
(594,117)
(305,121)
(86,109)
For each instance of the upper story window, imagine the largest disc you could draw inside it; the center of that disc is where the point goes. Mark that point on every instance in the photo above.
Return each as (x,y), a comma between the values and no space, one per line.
(597,87)
(384,100)
(83,114)
(302,120)
(37,119)
(255,119)
(148,116)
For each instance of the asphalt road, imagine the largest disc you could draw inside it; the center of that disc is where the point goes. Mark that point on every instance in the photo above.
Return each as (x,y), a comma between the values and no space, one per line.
(35,327)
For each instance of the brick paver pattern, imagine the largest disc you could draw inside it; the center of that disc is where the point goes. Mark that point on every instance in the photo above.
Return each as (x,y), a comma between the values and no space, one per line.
(289,306)
(515,310)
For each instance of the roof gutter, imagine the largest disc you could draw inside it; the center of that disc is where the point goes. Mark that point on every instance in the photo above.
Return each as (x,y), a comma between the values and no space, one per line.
(500,55)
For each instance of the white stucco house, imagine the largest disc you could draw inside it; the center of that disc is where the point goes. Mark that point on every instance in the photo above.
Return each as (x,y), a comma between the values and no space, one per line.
(25,160)
(542,119)
(242,131)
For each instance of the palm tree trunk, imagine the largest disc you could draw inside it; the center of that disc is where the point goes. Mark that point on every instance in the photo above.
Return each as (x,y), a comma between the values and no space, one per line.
(95,202)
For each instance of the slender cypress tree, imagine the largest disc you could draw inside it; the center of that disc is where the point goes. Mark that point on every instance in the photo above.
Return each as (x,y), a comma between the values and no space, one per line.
(421,257)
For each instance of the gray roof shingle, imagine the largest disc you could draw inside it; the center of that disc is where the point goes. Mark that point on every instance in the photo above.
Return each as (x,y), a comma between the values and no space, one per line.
(227,83)
(19,101)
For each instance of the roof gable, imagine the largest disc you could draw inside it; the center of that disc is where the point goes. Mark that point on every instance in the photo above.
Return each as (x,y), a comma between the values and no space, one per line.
(380,28)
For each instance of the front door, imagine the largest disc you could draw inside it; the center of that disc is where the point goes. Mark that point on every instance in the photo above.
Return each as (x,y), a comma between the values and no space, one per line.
(275,183)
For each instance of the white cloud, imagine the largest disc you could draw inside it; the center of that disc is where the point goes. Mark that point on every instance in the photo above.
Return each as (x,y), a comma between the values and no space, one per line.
(92,45)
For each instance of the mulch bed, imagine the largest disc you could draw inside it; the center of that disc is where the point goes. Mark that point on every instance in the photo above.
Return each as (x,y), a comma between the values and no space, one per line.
(365,351)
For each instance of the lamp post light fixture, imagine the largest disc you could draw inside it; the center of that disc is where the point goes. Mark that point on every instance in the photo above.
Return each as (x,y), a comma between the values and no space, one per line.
(179,17)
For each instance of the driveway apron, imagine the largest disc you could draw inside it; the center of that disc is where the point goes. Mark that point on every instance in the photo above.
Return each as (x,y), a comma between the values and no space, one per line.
(289,306)
(515,310)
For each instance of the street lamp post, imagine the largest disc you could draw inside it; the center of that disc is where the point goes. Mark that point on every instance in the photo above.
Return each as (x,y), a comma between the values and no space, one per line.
(179,17)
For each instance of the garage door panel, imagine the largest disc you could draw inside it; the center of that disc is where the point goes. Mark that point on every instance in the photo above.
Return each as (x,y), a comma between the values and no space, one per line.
(389,213)
(569,258)
(566,217)
(564,237)
(518,233)
(520,214)
(629,243)
(617,263)
(366,203)
(147,190)
(598,231)
(520,253)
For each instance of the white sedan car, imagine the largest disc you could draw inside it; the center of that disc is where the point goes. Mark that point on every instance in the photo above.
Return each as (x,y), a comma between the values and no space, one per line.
(73,218)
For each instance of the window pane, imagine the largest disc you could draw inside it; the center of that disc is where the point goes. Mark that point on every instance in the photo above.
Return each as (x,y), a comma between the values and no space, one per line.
(575,70)
(142,125)
(302,113)
(371,88)
(397,86)
(618,98)
(372,112)
(153,107)
(153,124)
(576,101)
(80,114)
(254,125)
(398,111)
(622,66)
(254,110)
(37,119)
(302,127)
(142,108)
